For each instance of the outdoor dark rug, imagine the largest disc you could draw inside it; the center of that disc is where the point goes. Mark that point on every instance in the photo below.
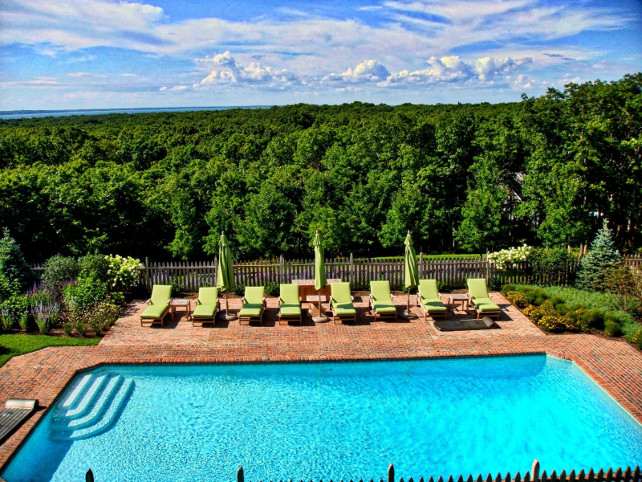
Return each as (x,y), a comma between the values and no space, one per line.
(461,325)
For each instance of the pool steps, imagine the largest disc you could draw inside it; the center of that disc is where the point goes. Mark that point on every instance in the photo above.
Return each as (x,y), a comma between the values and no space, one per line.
(91,406)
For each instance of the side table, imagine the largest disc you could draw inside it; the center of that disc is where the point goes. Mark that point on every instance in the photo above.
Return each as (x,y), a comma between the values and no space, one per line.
(180,303)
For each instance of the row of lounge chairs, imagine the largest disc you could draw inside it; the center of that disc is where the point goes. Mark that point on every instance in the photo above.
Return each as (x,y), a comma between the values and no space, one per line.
(341,302)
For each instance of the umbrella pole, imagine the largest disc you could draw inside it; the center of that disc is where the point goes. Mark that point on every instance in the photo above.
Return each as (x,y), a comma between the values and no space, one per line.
(228,316)
(320,318)
(408,315)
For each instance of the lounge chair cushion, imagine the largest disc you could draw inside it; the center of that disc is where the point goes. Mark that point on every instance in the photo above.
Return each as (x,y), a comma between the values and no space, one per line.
(254,295)
(485,304)
(251,309)
(342,299)
(161,294)
(428,289)
(384,307)
(289,294)
(204,311)
(154,311)
(434,305)
(340,292)
(477,288)
(207,296)
(344,309)
(290,310)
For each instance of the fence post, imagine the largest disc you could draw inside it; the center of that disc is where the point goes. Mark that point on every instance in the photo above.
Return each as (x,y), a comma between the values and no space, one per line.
(487,266)
(421,265)
(535,471)
(147,272)
(240,476)
(281,269)
(391,473)
(351,272)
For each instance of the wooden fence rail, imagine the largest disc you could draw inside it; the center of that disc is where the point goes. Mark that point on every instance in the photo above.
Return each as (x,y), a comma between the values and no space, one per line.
(534,475)
(449,272)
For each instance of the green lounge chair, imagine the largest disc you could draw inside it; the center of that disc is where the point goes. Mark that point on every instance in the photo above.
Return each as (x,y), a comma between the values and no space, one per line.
(158,305)
(290,303)
(429,300)
(480,299)
(341,302)
(206,306)
(381,301)
(253,305)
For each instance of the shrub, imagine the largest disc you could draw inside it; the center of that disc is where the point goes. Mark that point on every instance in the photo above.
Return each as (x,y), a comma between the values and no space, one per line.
(15,274)
(621,283)
(517,298)
(552,322)
(613,328)
(239,289)
(508,287)
(58,271)
(532,312)
(551,265)
(16,305)
(535,296)
(616,317)
(562,308)
(6,321)
(123,273)
(602,257)
(272,288)
(637,338)
(94,266)
(508,258)
(23,320)
(81,328)
(46,315)
(102,316)
(84,294)
(68,328)
(594,319)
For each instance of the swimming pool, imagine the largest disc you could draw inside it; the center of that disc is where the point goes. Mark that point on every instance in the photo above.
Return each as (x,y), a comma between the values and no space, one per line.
(328,420)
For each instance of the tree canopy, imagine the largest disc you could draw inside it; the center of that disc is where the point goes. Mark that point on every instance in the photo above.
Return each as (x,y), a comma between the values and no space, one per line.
(544,171)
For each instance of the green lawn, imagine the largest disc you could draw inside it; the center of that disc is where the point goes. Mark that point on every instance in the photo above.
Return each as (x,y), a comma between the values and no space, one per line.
(19,343)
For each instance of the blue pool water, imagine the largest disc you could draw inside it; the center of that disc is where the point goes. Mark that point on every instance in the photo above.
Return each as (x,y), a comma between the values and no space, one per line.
(328,420)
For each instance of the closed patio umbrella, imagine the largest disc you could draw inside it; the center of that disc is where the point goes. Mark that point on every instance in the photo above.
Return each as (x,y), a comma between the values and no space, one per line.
(225,273)
(411,275)
(320,280)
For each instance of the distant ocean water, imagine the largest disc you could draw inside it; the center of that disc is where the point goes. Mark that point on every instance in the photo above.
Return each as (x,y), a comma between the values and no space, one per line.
(22,114)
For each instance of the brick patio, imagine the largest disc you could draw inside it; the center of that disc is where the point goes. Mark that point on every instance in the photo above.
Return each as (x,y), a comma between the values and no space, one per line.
(614,364)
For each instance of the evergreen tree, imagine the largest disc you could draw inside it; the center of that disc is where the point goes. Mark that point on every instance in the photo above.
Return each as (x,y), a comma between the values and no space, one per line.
(600,259)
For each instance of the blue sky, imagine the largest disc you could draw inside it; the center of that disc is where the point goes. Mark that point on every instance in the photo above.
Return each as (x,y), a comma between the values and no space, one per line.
(68,54)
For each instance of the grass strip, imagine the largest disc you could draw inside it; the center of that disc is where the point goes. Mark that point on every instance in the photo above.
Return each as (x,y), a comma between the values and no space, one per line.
(20,343)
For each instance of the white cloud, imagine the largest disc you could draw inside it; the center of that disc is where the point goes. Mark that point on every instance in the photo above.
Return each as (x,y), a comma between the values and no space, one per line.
(488,68)
(447,69)
(86,74)
(225,69)
(366,71)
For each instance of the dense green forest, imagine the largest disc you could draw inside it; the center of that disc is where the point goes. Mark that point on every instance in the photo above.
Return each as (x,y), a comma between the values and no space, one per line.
(544,171)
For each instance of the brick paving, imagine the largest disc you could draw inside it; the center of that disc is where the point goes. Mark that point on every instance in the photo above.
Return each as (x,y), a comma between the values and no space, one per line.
(614,364)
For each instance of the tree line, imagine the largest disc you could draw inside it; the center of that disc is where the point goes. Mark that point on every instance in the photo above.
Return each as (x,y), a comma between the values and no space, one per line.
(545,171)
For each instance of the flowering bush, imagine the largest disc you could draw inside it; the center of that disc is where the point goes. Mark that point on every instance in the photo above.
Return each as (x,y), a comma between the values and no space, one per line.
(517,298)
(508,258)
(637,338)
(123,272)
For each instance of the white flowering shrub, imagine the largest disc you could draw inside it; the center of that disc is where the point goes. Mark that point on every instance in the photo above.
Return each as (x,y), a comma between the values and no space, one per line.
(508,258)
(123,272)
